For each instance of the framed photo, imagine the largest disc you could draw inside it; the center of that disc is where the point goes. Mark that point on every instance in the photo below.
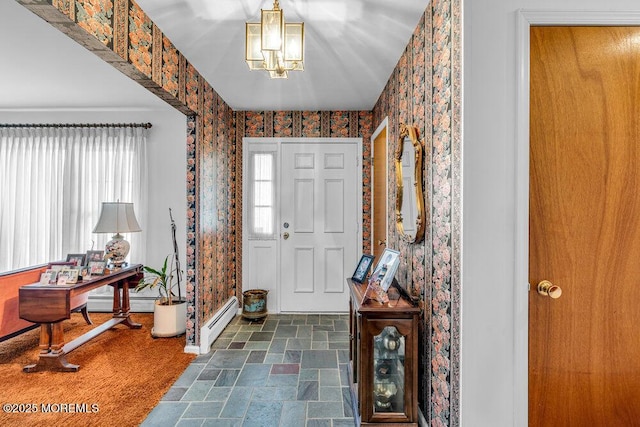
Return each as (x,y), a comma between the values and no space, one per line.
(386,268)
(59,265)
(85,273)
(94,256)
(49,277)
(77,259)
(68,276)
(97,267)
(362,269)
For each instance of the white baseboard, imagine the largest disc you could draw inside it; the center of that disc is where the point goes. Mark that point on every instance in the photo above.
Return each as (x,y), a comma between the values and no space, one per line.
(193,349)
(214,327)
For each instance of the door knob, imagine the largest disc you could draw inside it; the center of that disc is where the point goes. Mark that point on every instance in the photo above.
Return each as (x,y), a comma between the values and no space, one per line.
(382,242)
(548,289)
(285,236)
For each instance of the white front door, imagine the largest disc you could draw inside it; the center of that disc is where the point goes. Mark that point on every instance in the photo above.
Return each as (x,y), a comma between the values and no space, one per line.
(318,225)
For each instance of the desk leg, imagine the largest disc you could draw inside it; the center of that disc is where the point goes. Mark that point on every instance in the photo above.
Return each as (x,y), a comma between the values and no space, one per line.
(117,303)
(124,305)
(45,338)
(52,355)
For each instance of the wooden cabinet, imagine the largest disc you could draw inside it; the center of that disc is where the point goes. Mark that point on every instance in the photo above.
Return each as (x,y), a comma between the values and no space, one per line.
(383,355)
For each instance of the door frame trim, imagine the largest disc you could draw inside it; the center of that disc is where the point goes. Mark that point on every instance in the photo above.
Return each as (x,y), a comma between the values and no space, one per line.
(525,19)
(383,125)
(290,140)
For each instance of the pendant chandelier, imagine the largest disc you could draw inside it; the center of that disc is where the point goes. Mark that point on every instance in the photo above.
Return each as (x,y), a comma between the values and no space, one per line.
(273,45)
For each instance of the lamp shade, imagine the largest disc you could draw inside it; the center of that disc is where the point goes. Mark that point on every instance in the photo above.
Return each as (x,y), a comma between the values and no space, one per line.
(117,217)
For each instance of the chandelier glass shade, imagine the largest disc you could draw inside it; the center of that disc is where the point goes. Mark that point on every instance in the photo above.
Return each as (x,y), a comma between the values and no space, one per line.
(274,45)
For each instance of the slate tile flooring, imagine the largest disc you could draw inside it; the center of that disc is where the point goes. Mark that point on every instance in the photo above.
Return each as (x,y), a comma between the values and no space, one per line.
(287,370)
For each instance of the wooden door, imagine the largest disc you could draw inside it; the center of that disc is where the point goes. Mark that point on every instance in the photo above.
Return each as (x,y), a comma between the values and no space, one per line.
(320,207)
(379,193)
(584,347)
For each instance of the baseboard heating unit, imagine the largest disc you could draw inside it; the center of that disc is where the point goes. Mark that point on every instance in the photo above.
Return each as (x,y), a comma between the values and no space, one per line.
(214,327)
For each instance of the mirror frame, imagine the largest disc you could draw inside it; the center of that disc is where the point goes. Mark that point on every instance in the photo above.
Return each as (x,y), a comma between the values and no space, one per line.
(412,133)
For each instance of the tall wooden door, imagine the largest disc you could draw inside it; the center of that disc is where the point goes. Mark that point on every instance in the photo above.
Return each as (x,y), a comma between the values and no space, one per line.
(584,347)
(379,193)
(319,215)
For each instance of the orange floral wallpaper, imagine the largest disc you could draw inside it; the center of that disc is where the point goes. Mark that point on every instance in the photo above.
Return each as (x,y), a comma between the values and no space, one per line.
(140,37)
(96,17)
(169,67)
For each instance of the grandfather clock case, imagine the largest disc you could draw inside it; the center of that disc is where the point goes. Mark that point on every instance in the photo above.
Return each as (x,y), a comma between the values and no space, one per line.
(383,353)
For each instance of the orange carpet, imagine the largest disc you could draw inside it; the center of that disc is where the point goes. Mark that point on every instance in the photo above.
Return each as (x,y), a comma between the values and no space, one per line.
(123,374)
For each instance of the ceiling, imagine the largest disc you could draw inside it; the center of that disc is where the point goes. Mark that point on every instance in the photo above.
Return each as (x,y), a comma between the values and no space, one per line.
(351,48)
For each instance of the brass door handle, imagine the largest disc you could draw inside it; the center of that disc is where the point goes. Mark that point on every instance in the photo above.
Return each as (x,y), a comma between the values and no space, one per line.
(382,242)
(548,289)
(285,236)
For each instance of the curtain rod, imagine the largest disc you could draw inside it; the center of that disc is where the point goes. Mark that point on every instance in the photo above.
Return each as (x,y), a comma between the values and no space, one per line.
(75,125)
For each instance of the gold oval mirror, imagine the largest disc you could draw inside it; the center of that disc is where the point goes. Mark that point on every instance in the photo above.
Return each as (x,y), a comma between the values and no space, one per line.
(410,217)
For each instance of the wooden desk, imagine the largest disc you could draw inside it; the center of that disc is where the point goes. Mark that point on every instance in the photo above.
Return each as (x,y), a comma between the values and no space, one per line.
(49,305)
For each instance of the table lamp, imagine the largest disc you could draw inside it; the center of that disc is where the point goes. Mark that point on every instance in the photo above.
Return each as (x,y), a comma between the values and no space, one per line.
(117,217)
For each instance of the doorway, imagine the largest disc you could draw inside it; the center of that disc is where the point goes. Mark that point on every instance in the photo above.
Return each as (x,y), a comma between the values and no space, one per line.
(584,355)
(302,220)
(526,20)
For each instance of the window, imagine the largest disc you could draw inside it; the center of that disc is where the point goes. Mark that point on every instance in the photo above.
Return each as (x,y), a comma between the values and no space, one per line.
(52,184)
(261,209)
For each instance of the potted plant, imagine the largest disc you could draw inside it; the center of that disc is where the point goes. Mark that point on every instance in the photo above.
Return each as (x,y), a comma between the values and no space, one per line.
(170,310)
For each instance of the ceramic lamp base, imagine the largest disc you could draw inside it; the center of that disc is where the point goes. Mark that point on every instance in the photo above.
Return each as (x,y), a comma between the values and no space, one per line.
(117,250)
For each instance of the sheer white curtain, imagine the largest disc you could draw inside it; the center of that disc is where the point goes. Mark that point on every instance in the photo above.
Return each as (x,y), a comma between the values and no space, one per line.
(52,184)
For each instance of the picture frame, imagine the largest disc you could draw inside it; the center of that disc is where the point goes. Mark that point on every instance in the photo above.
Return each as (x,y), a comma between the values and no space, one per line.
(68,276)
(59,265)
(94,256)
(78,260)
(362,270)
(85,273)
(97,267)
(386,268)
(48,277)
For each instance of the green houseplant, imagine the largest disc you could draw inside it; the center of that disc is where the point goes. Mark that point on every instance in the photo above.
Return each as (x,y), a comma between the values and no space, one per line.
(162,279)
(170,310)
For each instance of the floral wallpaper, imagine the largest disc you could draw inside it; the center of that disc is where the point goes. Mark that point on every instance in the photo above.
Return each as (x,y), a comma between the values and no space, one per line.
(424,90)
(96,17)
(169,67)
(213,273)
(207,207)
(192,235)
(140,36)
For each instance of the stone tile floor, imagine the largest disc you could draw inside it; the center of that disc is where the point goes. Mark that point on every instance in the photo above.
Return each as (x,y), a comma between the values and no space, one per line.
(283,370)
